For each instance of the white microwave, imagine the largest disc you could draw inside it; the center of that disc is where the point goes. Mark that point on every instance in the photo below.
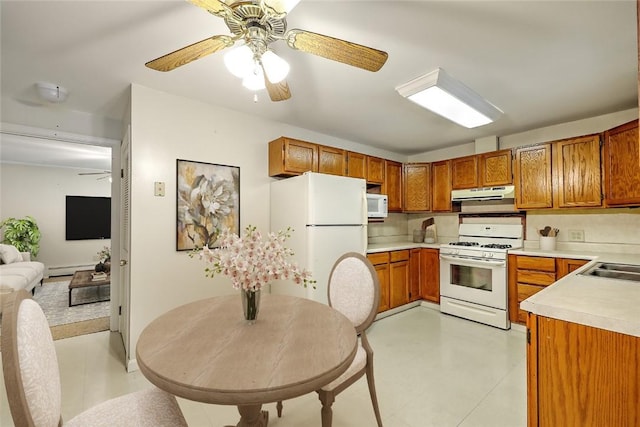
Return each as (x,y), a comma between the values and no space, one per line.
(377,205)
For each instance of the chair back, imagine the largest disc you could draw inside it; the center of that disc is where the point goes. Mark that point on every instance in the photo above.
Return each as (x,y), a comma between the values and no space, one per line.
(354,289)
(29,364)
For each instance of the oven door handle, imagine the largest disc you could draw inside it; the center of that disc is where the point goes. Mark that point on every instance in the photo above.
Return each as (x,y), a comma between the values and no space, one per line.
(480,263)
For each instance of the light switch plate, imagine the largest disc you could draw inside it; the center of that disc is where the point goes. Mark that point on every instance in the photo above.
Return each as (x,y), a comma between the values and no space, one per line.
(158,189)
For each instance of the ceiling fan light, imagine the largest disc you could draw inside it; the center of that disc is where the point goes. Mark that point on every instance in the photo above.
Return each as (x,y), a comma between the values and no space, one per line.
(279,7)
(451,99)
(239,61)
(275,67)
(254,80)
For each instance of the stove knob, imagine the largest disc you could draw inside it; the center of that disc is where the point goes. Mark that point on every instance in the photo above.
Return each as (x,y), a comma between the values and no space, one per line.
(490,254)
(485,255)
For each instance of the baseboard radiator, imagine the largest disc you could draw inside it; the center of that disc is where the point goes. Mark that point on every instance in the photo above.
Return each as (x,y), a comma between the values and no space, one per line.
(67,270)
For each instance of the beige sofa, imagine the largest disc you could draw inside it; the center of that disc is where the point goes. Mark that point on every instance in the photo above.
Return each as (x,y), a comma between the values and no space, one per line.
(19,273)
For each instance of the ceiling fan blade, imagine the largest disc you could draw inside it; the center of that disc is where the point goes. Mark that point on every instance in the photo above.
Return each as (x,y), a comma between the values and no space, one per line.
(277,91)
(95,173)
(190,53)
(215,7)
(337,50)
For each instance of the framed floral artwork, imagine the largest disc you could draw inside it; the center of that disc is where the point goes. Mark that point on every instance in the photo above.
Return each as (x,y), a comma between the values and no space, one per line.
(208,201)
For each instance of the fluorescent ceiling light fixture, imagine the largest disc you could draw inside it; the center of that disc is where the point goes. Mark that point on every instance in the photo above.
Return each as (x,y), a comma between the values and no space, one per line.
(449,98)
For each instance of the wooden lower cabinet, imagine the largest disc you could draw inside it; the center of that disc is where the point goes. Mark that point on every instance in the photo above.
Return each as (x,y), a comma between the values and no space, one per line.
(380,263)
(399,278)
(415,275)
(430,275)
(528,275)
(565,266)
(579,375)
(406,276)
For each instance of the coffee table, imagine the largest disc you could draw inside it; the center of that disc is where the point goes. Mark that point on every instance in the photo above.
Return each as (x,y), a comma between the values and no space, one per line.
(83,279)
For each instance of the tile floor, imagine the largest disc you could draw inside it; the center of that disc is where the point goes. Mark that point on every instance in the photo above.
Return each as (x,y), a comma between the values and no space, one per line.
(431,370)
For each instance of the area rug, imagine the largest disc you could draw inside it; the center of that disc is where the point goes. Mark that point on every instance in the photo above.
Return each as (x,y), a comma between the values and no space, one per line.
(67,321)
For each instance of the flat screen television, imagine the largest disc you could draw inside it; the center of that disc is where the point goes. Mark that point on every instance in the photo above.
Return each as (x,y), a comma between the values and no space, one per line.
(88,218)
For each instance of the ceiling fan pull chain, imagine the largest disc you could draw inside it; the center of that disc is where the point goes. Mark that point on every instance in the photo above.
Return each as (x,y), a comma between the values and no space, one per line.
(255,97)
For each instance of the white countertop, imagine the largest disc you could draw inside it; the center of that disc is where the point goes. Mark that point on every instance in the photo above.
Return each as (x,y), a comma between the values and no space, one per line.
(609,304)
(398,246)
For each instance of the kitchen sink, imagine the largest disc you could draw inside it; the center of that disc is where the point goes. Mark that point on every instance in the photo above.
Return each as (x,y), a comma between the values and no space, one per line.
(615,271)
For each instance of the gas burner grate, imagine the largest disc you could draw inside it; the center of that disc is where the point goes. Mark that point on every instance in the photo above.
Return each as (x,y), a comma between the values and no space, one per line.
(464,243)
(496,246)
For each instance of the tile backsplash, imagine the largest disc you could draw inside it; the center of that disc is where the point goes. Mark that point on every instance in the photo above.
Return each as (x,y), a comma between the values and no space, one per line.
(609,230)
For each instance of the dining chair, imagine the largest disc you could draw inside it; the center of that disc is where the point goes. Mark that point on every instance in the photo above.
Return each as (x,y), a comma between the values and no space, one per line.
(32,379)
(354,290)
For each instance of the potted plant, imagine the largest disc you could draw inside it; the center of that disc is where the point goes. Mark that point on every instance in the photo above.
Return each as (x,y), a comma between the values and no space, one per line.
(104,256)
(22,233)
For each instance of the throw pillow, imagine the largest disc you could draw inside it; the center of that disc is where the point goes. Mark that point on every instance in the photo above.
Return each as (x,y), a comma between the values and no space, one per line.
(9,254)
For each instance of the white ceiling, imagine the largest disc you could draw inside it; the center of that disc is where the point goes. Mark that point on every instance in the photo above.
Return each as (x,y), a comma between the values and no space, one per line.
(541,62)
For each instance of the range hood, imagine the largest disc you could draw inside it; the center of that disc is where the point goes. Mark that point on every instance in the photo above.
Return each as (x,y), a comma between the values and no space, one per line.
(486,193)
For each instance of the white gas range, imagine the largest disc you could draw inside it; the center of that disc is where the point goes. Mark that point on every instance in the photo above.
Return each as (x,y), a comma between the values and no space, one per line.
(473,272)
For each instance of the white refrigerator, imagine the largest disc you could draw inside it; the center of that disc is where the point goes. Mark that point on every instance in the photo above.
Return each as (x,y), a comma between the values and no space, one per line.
(328,214)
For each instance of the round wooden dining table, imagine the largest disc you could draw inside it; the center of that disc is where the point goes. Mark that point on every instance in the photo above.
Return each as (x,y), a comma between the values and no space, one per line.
(207,352)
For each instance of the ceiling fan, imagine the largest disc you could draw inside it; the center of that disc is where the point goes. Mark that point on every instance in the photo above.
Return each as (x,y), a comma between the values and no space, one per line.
(257,24)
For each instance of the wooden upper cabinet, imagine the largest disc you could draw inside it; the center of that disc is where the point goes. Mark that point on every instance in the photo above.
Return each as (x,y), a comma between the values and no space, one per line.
(495,168)
(533,177)
(290,157)
(332,160)
(576,163)
(375,170)
(392,186)
(356,165)
(417,182)
(441,186)
(464,172)
(621,165)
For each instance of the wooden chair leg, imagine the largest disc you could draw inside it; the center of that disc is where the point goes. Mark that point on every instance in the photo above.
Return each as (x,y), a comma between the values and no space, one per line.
(279,408)
(372,392)
(327,399)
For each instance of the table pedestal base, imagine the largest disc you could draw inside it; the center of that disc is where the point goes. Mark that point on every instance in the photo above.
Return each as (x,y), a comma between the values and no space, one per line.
(252,416)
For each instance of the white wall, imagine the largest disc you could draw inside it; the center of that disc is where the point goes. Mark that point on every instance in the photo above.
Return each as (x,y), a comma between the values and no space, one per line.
(40,192)
(165,128)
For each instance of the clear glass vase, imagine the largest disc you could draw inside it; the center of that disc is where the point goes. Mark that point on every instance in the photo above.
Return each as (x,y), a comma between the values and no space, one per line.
(250,305)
